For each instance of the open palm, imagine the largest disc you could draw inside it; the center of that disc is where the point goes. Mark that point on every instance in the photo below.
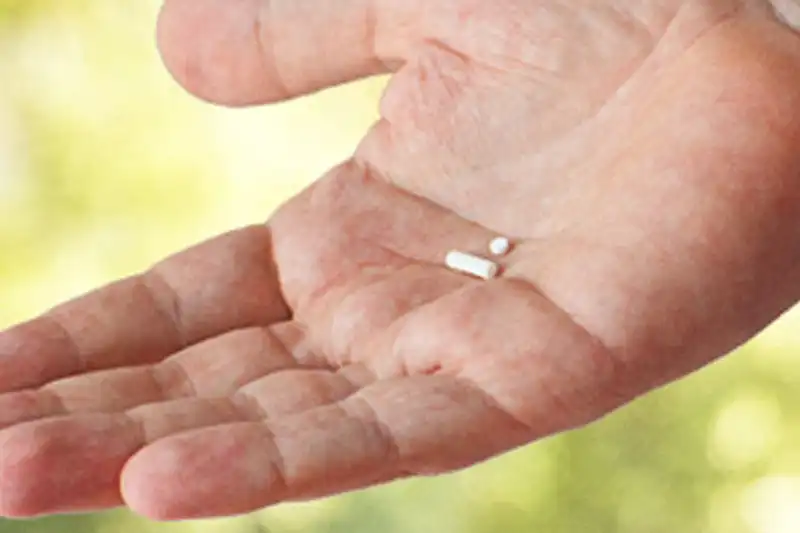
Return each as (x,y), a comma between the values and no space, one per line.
(641,155)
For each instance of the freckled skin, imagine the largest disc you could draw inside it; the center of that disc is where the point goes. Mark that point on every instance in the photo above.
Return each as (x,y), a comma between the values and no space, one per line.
(641,154)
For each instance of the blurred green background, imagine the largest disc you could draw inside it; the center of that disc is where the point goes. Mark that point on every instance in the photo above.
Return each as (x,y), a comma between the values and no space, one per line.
(107,166)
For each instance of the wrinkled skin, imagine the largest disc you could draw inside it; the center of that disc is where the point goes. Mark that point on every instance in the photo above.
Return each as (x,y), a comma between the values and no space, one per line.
(642,154)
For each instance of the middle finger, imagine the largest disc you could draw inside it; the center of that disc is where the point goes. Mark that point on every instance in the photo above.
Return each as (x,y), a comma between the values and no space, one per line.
(215,368)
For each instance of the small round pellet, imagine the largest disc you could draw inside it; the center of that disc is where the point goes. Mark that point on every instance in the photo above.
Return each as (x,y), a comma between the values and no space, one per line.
(499,246)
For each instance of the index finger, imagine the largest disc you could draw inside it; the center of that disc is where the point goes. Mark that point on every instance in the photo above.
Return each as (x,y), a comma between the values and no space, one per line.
(391,429)
(220,285)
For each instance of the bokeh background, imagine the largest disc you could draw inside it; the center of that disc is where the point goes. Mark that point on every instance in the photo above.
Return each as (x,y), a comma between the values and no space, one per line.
(107,166)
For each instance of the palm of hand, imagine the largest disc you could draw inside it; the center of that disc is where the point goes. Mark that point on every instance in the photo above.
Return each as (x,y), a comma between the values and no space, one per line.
(334,351)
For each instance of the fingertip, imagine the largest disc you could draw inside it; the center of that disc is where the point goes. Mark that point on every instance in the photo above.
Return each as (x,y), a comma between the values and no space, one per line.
(199,474)
(213,49)
(61,465)
(143,492)
(153,484)
(18,496)
(248,52)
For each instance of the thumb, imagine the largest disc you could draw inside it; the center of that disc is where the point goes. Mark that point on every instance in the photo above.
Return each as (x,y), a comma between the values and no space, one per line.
(245,52)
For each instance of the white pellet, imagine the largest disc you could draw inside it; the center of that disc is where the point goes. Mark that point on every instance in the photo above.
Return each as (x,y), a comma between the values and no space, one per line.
(471,264)
(499,246)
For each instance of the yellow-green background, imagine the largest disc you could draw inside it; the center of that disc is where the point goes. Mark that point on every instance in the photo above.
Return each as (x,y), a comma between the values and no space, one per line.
(106,166)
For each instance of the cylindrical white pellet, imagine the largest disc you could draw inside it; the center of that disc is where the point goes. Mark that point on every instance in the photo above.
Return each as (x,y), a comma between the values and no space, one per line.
(471,264)
(499,246)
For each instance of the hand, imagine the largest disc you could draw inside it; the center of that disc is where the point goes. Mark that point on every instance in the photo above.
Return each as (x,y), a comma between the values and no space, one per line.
(641,154)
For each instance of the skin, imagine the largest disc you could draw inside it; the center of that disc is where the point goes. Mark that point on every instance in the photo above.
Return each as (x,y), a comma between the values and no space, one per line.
(641,154)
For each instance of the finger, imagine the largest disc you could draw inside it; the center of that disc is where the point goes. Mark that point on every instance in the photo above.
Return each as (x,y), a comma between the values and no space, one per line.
(240,52)
(64,465)
(215,368)
(423,425)
(224,284)
(72,464)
